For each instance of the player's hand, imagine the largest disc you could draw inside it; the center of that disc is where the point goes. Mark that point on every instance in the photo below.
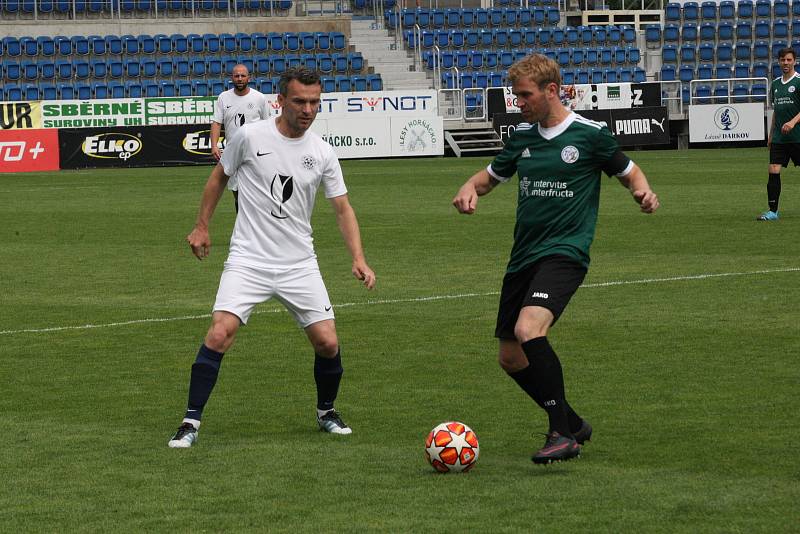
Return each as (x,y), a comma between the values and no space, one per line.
(200,242)
(787,127)
(216,152)
(466,200)
(648,201)
(362,272)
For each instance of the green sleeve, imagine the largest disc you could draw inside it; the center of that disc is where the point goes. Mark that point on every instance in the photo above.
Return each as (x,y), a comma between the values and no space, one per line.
(504,165)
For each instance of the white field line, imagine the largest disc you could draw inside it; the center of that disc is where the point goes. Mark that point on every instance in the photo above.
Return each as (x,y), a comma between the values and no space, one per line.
(399,301)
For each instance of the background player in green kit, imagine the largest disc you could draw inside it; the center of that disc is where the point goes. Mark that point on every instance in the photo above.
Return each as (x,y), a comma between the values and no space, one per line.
(784,138)
(558,157)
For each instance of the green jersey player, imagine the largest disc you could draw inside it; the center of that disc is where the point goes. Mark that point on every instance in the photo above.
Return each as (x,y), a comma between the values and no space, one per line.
(558,157)
(784,139)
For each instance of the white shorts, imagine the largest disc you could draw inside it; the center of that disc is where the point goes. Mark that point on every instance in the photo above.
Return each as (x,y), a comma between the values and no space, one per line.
(300,290)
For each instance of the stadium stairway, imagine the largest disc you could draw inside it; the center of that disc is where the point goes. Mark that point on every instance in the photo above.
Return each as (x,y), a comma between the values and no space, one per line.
(394,66)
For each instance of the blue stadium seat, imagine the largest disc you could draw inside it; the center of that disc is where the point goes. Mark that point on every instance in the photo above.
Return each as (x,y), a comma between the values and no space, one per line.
(216,86)
(98,68)
(130,45)
(151,89)
(97,45)
(720,92)
(165,67)
(197,66)
(64,69)
(195,43)
(596,75)
(181,68)
(343,83)
(116,69)
(744,9)
(610,75)
(741,91)
(29,45)
(166,88)
(553,16)
(708,11)
(149,68)
(578,56)
(63,45)
(46,46)
(758,91)
(671,33)
(374,82)
(260,43)
(724,52)
(727,10)
(116,89)
(47,69)
(776,47)
(702,94)
(30,91)
(99,90)
(614,35)
(723,70)
(741,70)
(705,71)
(691,11)
(599,34)
(134,89)
(667,73)
(81,69)
(183,88)
(200,88)
(48,91)
(30,70)
(763,8)
(780,29)
(725,31)
(689,33)
(762,29)
(639,75)
(705,52)
(672,13)
(147,44)
(760,70)
(744,31)
(113,45)
(761,50)
(743,51)
(708,32)
(652,35)
(688,54)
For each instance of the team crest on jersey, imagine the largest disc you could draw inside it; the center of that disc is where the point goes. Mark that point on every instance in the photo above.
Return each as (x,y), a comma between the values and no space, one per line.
(309,162)
(569,154)
(526,153)
(791,88)
(281,190)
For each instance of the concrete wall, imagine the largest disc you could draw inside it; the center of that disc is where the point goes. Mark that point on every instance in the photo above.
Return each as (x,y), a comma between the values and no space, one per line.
(19,28)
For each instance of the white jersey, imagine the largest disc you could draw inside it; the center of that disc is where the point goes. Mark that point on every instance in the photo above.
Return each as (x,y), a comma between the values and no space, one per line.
(233,111)
(278,182)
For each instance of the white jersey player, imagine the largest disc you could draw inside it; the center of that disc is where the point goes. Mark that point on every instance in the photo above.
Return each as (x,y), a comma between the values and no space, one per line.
(234,108)
(280,165)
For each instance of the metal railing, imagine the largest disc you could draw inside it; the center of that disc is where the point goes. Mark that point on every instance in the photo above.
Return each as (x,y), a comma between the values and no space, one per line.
(729,97)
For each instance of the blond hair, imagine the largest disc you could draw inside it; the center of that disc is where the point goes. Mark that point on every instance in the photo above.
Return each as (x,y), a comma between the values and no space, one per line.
(538,68)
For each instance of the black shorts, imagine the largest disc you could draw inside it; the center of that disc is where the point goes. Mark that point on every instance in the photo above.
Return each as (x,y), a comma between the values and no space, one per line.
(781,153)
(550,282)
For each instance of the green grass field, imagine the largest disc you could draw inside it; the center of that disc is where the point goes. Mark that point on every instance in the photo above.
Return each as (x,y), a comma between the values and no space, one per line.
(681,349)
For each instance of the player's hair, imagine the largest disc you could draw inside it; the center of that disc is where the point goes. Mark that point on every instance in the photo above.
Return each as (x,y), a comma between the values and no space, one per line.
(303,75)
(538,68)
(786,51)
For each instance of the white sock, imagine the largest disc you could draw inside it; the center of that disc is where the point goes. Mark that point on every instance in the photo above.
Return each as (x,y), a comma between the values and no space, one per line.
(194,422)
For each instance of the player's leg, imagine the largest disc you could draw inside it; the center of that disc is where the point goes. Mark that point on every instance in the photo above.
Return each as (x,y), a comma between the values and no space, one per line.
(203,377)
(235,199)
(240,289)
(779,155)
(303,293)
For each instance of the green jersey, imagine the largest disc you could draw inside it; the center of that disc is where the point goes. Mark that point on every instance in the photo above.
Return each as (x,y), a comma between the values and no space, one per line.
(559,186)
(785,96)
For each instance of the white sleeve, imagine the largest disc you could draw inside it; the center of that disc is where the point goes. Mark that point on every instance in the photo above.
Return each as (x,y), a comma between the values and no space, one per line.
(264,108)
(219,111)
(233,155)
(332,178)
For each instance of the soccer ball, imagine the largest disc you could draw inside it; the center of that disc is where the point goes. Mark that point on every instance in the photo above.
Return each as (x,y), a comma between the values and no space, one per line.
(452,447)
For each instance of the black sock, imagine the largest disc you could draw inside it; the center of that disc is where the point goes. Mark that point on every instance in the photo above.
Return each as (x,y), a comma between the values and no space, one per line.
(327,374)
(525,380)
(204,375)
(774,191)
(548,382)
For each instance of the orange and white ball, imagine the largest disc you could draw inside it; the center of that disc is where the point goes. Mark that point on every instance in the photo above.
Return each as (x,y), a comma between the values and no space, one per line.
(452,447)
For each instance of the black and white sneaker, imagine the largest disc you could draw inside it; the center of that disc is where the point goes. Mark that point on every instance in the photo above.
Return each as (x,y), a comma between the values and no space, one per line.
(184,437)
(332,423)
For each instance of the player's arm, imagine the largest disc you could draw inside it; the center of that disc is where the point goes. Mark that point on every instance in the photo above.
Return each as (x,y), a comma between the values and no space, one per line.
(216,128)
(199,239)
(348,226)
(481,183)
(634,179)
(789,126)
